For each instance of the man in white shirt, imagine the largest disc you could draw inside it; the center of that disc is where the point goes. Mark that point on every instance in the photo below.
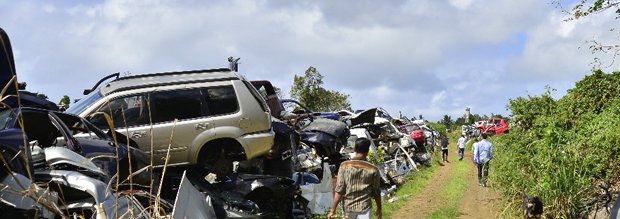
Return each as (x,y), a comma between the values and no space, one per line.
(461,146)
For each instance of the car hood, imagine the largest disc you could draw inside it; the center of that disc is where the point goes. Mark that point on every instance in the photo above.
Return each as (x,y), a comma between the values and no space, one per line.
(367,116)
(62,156)
(7,69)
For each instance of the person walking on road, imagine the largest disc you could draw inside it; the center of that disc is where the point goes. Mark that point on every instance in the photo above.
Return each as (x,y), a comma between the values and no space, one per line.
(358,182)
(483,154)
(461,146)
(444,148)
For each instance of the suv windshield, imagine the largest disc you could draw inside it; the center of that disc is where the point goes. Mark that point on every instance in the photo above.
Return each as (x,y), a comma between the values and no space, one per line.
(84,103)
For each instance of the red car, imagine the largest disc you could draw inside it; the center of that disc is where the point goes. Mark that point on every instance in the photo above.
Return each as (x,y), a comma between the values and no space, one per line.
(416,133)
(494,126)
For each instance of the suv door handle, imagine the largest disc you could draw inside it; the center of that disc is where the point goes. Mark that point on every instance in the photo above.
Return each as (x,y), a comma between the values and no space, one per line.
(202,126)
(140,134)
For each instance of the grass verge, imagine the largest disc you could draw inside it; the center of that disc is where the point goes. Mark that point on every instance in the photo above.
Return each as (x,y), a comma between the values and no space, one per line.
(417,182)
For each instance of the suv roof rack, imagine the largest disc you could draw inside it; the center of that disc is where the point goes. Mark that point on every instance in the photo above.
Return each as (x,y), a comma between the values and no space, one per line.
(172,73)
(87,91)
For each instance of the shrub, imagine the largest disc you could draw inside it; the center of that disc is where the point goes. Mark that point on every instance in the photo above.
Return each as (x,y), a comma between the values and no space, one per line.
(562,150)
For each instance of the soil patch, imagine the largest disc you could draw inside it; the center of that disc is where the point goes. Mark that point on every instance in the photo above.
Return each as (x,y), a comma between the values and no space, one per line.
(478,201)
(428,200)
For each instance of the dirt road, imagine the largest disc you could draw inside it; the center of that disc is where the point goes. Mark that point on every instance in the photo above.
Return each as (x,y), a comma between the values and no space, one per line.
(474,202)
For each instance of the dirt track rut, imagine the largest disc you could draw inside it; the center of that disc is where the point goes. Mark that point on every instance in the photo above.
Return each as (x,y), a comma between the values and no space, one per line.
(477,202)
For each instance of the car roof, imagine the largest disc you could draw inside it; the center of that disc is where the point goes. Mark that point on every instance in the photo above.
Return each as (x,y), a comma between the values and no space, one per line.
(168,78)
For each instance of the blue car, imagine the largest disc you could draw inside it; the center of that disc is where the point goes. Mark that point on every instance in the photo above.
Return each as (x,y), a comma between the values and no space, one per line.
(297,108)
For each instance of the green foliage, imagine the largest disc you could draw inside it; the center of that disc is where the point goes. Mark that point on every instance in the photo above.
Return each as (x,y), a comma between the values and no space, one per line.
(462,121)
(594,93)
(65,101)
(308,90)
(562,149)
(526,110)
(447,121)
(441,128)
(376,157)
(418,180)
(587,7)
(453,192)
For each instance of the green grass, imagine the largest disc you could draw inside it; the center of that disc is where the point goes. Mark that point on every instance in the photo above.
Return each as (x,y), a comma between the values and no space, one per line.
(453,192)
(417,182)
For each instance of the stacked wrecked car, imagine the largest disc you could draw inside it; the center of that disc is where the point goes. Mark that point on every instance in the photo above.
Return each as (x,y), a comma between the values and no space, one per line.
(187,144)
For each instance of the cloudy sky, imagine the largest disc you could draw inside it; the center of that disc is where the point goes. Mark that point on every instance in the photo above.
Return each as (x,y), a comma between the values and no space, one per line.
(429,57)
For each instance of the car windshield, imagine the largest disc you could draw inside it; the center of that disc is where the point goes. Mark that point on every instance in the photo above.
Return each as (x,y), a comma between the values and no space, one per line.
(411,128)
(81,105)
(79,126)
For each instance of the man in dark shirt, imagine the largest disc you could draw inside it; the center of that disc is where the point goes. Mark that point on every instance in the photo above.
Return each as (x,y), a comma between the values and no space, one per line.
(358,182)
(444,148)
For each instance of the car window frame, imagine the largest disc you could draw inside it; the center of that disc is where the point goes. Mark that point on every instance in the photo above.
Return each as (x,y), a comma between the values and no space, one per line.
(206,101)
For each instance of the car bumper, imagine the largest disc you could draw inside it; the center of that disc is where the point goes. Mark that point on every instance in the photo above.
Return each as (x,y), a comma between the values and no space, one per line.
(257,144)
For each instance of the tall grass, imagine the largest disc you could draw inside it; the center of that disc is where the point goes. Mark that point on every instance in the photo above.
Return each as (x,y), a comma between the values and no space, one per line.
(565,151)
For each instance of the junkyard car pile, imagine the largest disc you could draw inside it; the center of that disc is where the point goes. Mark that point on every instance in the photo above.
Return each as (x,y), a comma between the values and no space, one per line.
(190,144)
(494,126)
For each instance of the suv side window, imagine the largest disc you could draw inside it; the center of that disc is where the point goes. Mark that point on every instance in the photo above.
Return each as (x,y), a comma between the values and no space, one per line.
(221,100)
(176,104)
(134,108)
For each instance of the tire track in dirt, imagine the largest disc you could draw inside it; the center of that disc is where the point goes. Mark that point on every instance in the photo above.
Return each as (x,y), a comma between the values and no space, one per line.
(428,200)
(478,201)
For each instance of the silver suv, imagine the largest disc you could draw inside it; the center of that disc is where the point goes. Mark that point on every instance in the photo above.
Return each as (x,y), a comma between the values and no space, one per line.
(208,117)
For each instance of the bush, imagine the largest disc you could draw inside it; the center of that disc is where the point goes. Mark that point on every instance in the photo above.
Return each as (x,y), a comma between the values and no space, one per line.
(562,150)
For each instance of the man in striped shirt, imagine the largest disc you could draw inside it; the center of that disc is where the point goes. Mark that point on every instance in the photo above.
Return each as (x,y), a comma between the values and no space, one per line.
(358,182)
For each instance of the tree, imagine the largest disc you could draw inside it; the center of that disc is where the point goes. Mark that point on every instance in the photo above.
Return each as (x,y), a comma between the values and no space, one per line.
(460,121)
(308,90)
(588,7)
(64,102)
(585,8)
(447,121)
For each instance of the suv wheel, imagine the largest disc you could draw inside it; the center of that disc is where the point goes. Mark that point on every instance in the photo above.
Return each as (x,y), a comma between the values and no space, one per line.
(216,160)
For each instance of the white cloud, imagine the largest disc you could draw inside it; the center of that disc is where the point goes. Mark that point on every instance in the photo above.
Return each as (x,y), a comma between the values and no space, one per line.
(421,57)
(461,4)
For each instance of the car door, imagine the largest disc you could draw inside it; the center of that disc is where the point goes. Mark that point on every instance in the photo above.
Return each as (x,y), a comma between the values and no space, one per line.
(178,118)
(129,115)
(223,106)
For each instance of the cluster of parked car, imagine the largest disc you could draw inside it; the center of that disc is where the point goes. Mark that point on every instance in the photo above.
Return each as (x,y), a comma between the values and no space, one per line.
(188,144)
(494,126)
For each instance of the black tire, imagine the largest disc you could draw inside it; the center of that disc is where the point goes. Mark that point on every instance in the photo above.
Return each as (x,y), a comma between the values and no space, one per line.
(214,159)
(270,205)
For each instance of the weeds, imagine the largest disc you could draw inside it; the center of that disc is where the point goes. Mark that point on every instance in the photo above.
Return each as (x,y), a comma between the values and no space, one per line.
(565,150)
(453,192)
(418,180)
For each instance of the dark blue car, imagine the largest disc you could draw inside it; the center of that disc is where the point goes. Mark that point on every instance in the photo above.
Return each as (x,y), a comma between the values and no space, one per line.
(295,107)
(22,126)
